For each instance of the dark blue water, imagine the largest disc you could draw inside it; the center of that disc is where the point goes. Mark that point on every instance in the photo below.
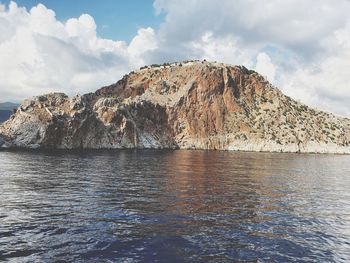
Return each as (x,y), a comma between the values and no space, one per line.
(174,206)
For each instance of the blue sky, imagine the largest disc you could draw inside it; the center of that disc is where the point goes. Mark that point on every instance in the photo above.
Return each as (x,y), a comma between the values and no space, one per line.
(300,46)
(116,19)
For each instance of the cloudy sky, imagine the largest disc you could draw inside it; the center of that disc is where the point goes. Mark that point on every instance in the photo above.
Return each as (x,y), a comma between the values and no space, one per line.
(301,46)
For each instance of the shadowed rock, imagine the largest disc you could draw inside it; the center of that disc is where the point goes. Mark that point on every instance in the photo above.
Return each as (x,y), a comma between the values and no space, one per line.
(193,105)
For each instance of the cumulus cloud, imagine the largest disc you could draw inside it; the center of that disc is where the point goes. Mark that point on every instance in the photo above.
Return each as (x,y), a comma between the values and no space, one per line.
(39,54)
(296,24)
(265,67)
(325,82)
(144,41)
(301,46)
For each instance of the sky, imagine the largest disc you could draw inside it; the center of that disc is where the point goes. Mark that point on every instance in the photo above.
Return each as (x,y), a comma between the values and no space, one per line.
(301,46)
(115,19)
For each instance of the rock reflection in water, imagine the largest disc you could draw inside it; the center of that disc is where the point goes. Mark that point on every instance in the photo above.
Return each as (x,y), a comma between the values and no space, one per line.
(174,206)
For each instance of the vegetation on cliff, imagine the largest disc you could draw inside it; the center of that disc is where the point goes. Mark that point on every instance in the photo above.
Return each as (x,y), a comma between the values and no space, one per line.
(188,105)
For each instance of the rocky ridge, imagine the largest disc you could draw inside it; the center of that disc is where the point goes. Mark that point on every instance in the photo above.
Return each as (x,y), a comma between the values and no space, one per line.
(188,105)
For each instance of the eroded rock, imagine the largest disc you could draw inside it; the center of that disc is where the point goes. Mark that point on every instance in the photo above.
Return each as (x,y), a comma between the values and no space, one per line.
(193,105)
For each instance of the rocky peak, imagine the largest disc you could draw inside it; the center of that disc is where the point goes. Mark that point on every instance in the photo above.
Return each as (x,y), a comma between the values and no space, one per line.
(195,104)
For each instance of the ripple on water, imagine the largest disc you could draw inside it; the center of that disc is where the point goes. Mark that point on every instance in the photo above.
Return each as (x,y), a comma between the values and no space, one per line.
(174,206)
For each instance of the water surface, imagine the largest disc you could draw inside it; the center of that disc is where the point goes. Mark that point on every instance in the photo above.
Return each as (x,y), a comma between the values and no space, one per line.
(174,206)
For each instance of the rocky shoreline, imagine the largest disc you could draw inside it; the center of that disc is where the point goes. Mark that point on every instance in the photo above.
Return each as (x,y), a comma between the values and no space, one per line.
(188,105)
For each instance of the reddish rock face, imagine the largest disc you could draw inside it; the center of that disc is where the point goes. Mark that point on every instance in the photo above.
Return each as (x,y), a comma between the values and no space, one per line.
(198,105)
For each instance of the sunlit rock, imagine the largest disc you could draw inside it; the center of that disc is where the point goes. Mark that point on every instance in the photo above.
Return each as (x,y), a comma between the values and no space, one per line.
(189,105)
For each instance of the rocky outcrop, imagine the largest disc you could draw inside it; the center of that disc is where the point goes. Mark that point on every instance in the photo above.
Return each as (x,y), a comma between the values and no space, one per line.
(193,105)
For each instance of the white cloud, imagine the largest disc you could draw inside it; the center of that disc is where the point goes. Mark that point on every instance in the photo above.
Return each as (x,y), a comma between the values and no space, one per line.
(293,23)
(325,82)
(224,49)
(265,67)
(40,54)
(145,41)
(301,46)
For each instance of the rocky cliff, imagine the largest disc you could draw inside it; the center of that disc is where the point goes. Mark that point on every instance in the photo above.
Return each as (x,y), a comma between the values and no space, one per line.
(190,105)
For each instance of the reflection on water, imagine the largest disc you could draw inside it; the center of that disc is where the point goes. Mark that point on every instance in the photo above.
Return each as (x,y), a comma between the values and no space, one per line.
(174,206)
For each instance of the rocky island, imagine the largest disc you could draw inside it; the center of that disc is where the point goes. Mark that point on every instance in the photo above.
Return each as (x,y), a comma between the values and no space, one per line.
(188,105)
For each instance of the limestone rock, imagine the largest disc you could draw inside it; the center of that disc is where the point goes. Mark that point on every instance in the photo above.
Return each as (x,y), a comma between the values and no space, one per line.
(189,105)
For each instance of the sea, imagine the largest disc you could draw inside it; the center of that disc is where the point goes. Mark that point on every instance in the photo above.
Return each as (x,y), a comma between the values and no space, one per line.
(173,206)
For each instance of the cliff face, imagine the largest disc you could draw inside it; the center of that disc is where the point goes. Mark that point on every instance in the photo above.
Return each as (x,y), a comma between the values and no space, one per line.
(193,105)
